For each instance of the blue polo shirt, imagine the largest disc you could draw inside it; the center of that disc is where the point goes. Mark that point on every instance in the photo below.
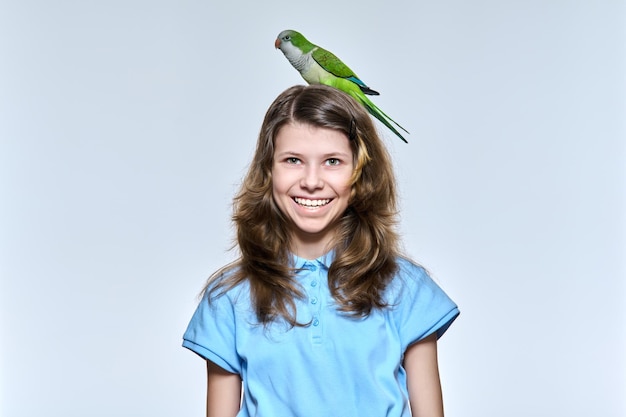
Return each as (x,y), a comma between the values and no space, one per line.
(335,366)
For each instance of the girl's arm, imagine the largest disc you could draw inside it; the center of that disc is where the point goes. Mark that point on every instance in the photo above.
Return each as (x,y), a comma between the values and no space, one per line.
(422,370)
(223,392)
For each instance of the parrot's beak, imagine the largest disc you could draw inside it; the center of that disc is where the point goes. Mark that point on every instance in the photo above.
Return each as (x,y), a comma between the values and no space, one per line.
(277,43)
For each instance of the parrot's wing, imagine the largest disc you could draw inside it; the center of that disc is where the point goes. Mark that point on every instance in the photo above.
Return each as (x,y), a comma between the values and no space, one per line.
(335,66)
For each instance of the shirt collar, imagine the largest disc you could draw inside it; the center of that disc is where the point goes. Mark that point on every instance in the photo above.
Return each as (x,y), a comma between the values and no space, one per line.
(325,260)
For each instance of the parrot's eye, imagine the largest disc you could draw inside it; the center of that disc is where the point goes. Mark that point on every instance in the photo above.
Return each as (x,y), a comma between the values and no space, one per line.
(287,37)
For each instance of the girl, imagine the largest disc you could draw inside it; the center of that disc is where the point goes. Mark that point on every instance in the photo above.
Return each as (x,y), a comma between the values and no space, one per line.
(320,316)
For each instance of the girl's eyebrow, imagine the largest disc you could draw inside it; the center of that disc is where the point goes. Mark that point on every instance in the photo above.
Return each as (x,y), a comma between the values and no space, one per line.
(337,154)
(285,153)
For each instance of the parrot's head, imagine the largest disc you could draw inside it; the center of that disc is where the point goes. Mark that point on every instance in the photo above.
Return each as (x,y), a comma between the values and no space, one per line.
(292,43)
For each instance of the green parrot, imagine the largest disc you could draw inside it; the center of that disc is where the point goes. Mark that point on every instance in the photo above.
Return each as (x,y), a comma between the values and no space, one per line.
(319,66)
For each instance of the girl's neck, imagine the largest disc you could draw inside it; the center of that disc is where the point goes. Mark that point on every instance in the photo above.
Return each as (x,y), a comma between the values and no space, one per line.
(310,250)
(313,245)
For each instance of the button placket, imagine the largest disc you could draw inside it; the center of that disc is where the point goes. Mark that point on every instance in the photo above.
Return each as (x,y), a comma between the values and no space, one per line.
(315,303)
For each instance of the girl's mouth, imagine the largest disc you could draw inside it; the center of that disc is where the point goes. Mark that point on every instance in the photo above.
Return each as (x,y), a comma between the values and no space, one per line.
(311,203)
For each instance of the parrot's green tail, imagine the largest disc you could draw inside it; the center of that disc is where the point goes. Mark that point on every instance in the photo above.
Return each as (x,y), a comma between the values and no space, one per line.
(353,90)
(382,116)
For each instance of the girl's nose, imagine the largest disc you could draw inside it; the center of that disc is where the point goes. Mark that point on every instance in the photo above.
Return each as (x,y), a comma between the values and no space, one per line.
(311,179)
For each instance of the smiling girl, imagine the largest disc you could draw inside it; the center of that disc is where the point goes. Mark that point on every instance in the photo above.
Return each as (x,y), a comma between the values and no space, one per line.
(320,315)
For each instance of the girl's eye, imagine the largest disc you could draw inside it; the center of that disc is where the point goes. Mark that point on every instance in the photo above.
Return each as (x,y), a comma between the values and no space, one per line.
(292,160)
(333,161)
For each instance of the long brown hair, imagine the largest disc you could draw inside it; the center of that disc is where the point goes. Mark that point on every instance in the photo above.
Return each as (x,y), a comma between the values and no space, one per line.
(366,244)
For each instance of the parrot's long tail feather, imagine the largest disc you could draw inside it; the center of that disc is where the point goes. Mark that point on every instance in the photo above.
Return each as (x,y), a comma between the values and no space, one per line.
(382,116)
(356,92)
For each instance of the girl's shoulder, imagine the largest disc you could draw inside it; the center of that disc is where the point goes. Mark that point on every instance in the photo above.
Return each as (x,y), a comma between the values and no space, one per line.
(410,271)
(410,279)
(226,283)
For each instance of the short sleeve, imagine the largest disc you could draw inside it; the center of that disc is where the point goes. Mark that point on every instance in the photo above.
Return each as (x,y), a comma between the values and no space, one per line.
(211,332)
(421,307)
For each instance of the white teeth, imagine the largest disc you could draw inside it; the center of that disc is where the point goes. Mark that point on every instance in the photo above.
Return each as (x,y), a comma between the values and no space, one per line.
(311,203)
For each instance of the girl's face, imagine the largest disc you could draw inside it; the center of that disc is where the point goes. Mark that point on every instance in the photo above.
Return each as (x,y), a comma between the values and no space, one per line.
(311,183)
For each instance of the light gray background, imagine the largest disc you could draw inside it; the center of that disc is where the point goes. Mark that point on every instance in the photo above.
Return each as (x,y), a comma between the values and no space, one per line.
(126,126)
